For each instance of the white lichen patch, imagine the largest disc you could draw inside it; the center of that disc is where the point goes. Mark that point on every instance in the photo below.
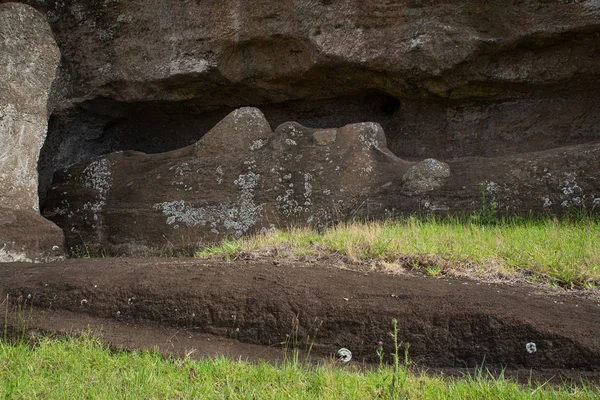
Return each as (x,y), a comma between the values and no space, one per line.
(290,142)
(570,185)
(293,131)
(98,176)
(370,135)
(307,189)
(425,176)
(57,211)
(64,209)
(287,204)
(499,193)
(248,212)
(76,10)
(416,43)
(220,175)
(12,256)
(178,212)
(430,206)
(258,144)
(249,118)
(124,18)
(547,201)
(492,188)
(566,188)
(250,164)
(368,142)
(181,169)
(236,218)
(366,170)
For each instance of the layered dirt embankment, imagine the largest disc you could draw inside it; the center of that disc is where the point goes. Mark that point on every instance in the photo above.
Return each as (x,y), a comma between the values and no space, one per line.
(448,322)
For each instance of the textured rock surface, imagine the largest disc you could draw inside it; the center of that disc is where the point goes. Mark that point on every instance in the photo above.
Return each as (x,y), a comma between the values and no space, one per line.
(503,94)
(242,177)
(27,237)
(28,62)
(444,79)
(29,59)
(135,51)
(425,176)
(239,178)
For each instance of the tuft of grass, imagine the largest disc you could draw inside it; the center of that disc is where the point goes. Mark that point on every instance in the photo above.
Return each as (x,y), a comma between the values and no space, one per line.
(82,367)
(17,319)
(561,252)
(84,251)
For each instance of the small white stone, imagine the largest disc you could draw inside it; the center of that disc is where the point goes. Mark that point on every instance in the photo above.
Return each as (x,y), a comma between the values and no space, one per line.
(345,355)
(531,348)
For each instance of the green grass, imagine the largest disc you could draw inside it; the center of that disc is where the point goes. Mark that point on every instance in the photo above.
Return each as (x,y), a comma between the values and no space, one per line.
(83,368)
(563,252)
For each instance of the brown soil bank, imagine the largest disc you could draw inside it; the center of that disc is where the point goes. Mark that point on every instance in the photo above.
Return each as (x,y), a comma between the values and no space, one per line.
(448,323)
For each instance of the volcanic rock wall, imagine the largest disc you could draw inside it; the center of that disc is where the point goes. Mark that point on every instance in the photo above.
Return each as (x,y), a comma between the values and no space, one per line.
(28,62)
(504,94)
(445,79)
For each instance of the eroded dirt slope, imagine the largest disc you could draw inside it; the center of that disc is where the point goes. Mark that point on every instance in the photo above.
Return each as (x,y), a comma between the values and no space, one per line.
(448,323)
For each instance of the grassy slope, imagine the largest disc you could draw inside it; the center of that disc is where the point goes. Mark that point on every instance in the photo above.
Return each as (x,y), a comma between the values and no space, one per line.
(83,368)
(563,252)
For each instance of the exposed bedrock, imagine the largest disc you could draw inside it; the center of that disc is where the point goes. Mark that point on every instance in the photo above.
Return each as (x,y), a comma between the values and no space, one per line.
(445,80)
(29,59)
(240,177)
(243,177)
(415,128)
(233,52)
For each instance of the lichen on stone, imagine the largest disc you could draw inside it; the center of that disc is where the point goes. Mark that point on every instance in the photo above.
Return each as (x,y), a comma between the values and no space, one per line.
(98,176)
(12,256)
(258,144)
(307,189)
(237,218)
(220,175)
(370,136)
(425,176)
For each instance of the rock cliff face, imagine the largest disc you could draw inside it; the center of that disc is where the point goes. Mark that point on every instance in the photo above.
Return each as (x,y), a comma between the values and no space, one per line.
(503,93)
(444,79)
(28,62)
